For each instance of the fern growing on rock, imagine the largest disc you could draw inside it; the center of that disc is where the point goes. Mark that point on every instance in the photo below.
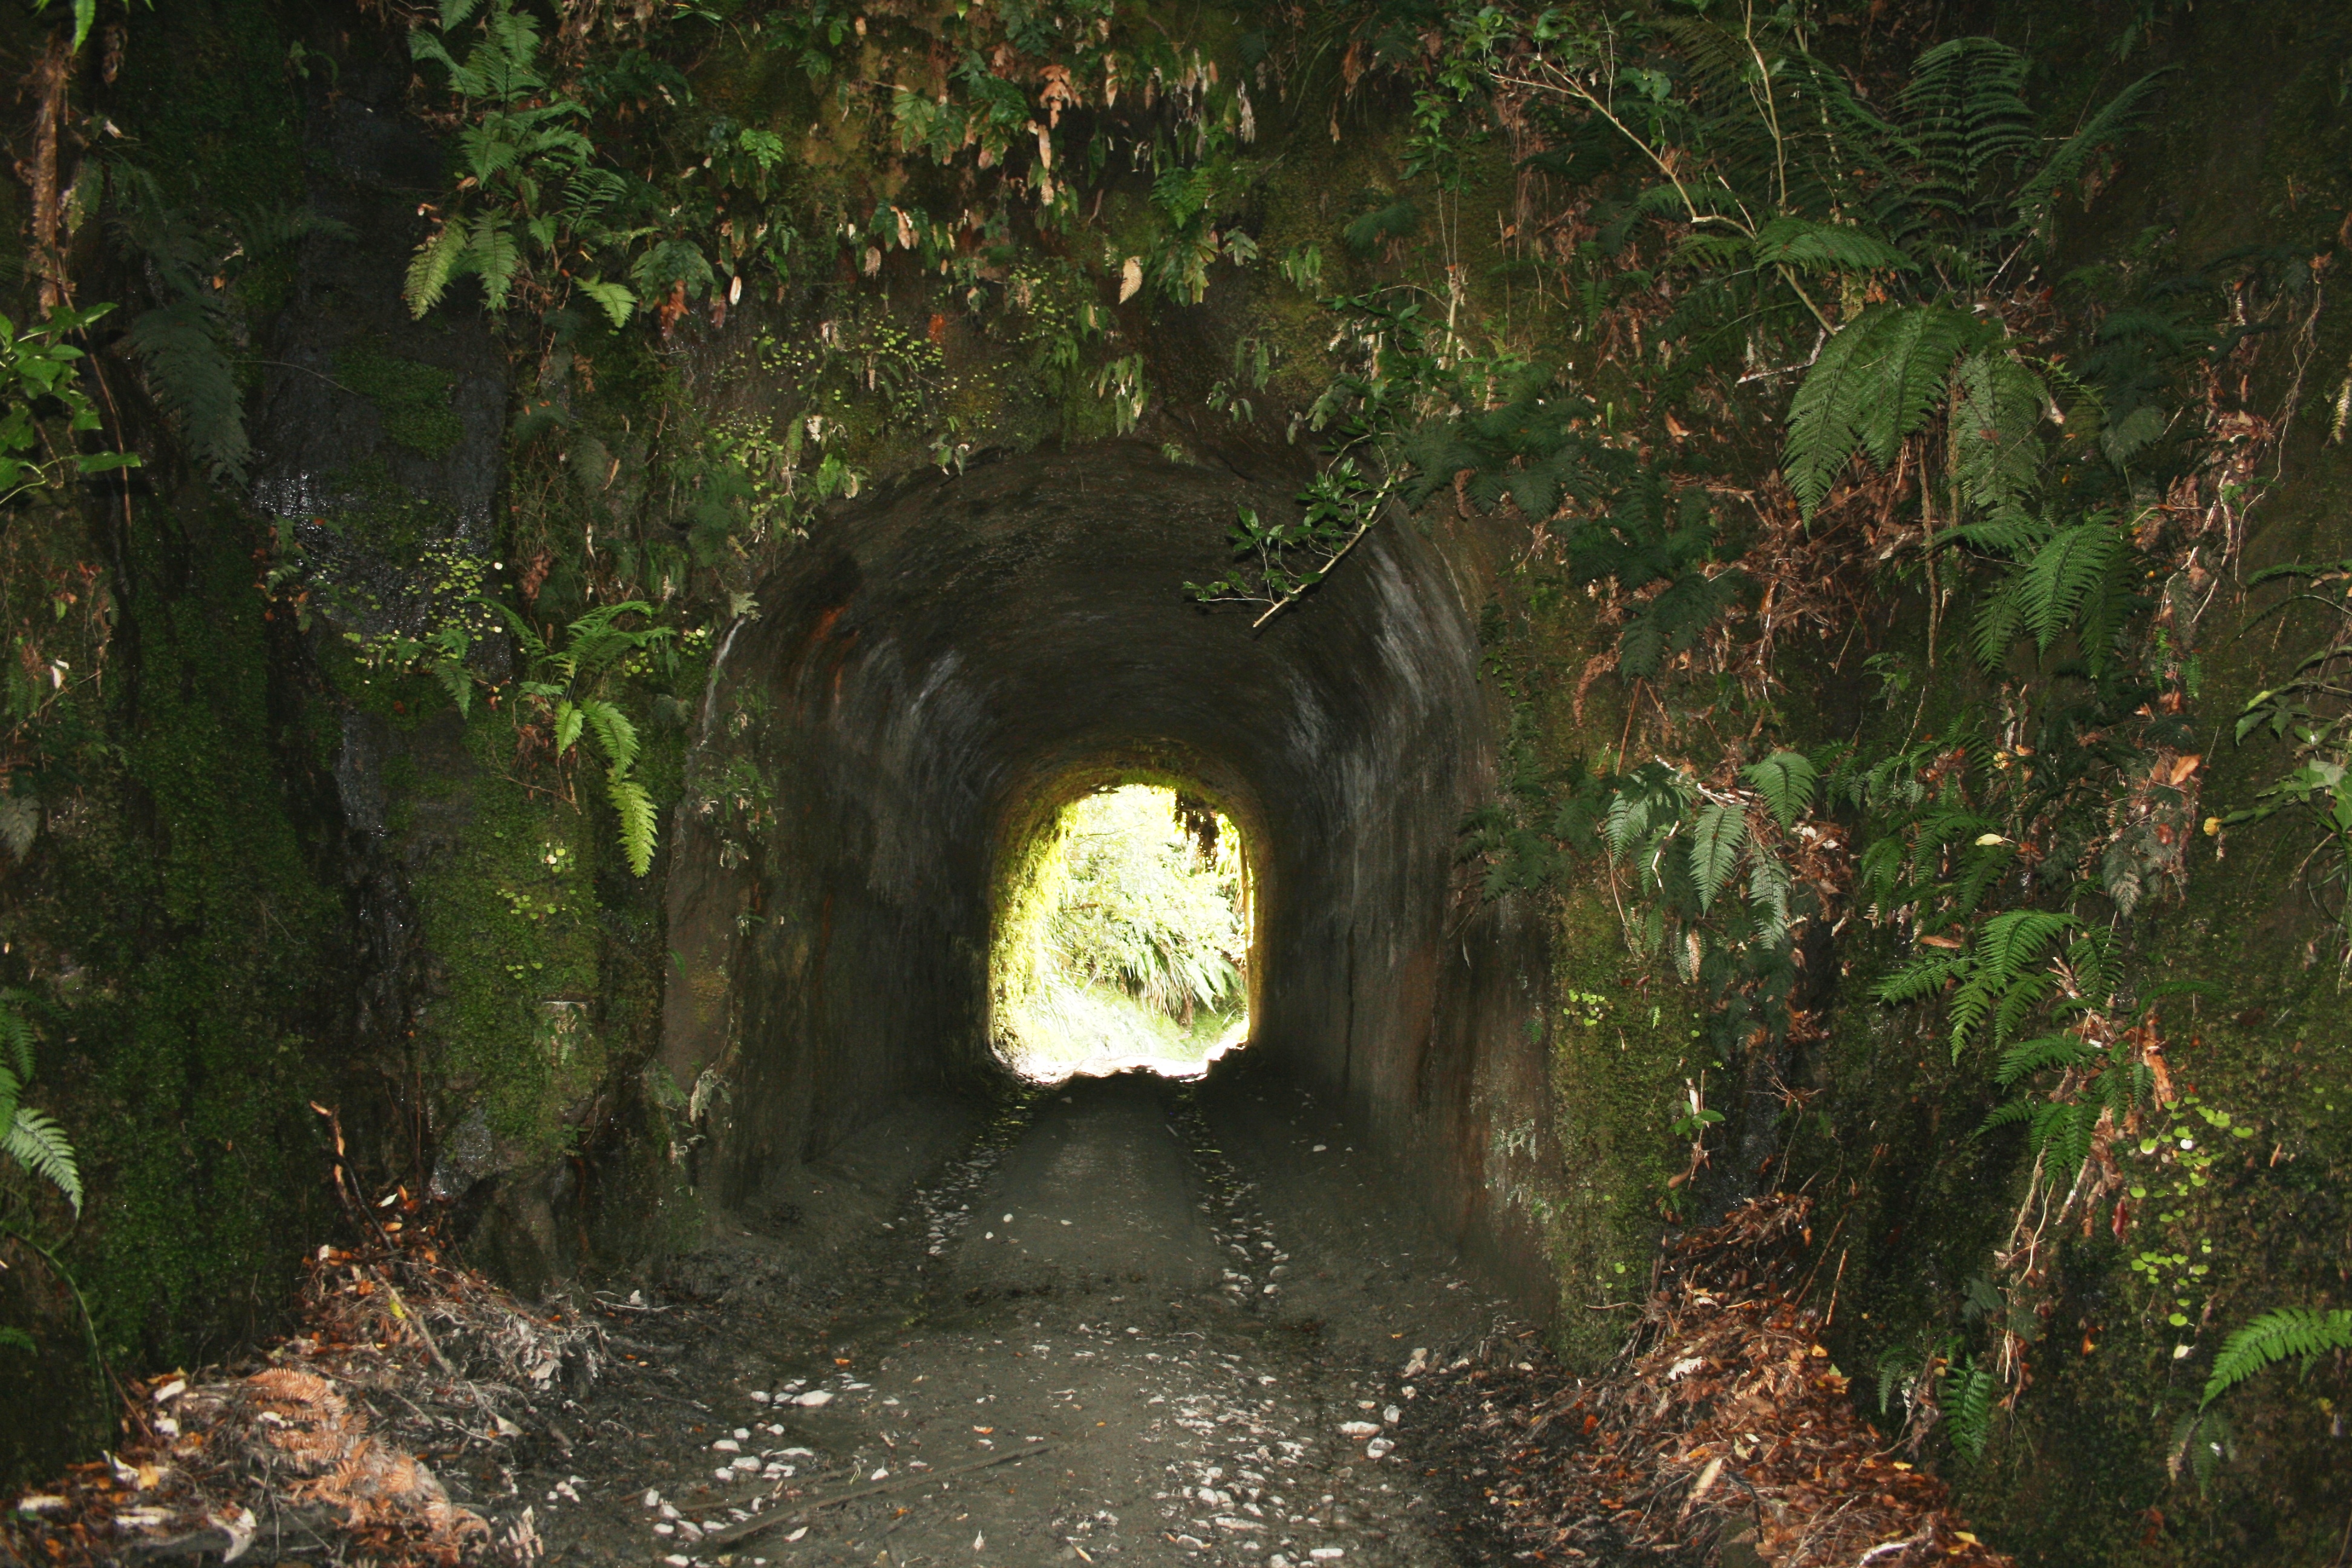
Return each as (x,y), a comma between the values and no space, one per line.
(2284,1333)
(568,680)
(30,1141)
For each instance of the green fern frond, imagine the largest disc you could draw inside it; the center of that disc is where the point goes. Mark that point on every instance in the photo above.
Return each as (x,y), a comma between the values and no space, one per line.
(494,254)
(2065,165)
(2023,996)
(1717,836)
(40,1146)
(636,811)
(2062,575)
(184,346)
(1919,979)
(2010,1113)
(613,299)
(568,721)
(616,735)
(1963,112)
(1996,452)
(1967,1396)
(1674,621)
(1770,886)
(2302,1332)
(1809,246)
(1825,417)
(2000,621)
(1786,779)
(1874,385)
(431,269)
(1913,358)
(16,1038)
(2026,1057)
(2009,945)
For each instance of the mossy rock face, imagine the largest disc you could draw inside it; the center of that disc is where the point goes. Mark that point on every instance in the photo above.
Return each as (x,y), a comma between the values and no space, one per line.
(185,913)
(411,397)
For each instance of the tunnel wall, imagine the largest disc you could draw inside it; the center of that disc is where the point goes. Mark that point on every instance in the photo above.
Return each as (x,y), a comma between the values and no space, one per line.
(942,657)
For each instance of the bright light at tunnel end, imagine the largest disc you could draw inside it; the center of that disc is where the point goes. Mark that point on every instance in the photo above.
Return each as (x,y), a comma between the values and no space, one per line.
(1121,941)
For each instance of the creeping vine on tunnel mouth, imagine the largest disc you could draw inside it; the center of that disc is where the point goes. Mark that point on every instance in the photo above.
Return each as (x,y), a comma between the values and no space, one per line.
(1121,936)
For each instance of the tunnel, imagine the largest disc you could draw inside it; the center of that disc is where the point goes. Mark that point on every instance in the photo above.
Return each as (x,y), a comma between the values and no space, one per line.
(946,664)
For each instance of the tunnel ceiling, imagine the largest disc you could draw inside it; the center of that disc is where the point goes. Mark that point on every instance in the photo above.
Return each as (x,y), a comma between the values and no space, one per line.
(948,660)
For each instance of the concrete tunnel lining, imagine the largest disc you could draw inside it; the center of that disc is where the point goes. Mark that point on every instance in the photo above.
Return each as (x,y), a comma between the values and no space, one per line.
(945,661)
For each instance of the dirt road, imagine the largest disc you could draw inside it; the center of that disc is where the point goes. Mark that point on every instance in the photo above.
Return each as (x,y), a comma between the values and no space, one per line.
(1124,1320)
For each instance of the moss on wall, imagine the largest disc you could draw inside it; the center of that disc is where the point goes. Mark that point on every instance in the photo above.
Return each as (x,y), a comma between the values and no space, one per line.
(188,924)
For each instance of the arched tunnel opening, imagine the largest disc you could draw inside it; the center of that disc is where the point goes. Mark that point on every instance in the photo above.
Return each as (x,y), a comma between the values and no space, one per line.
(948,664)
(1121,934)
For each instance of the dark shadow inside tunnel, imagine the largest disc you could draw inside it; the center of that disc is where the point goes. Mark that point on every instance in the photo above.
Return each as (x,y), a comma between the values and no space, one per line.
(1121,934)
(946,664)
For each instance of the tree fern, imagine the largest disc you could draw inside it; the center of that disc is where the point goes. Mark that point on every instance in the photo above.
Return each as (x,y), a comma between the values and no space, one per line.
(2301,1332)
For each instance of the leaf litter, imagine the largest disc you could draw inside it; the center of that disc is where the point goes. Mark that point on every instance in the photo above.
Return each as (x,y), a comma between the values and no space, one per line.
(1723,1424)
(329,1440)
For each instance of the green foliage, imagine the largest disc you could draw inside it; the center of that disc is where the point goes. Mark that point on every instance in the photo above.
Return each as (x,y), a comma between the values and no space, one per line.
(1875,384)
(37,366)
(1283,559)
(34,1144)
(1968,1393)
(1787,780)
(2282,1333)
(85,17)
(2308,710)
(188,342)
(2006,947)
(567,676)
(536,188)
(1123,928)
(1145,910)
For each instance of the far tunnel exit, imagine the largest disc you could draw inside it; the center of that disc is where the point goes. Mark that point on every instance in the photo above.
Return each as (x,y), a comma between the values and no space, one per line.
(1121,938)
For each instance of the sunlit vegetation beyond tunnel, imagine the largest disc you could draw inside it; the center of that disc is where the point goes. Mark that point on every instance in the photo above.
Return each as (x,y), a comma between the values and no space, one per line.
(1124,940)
